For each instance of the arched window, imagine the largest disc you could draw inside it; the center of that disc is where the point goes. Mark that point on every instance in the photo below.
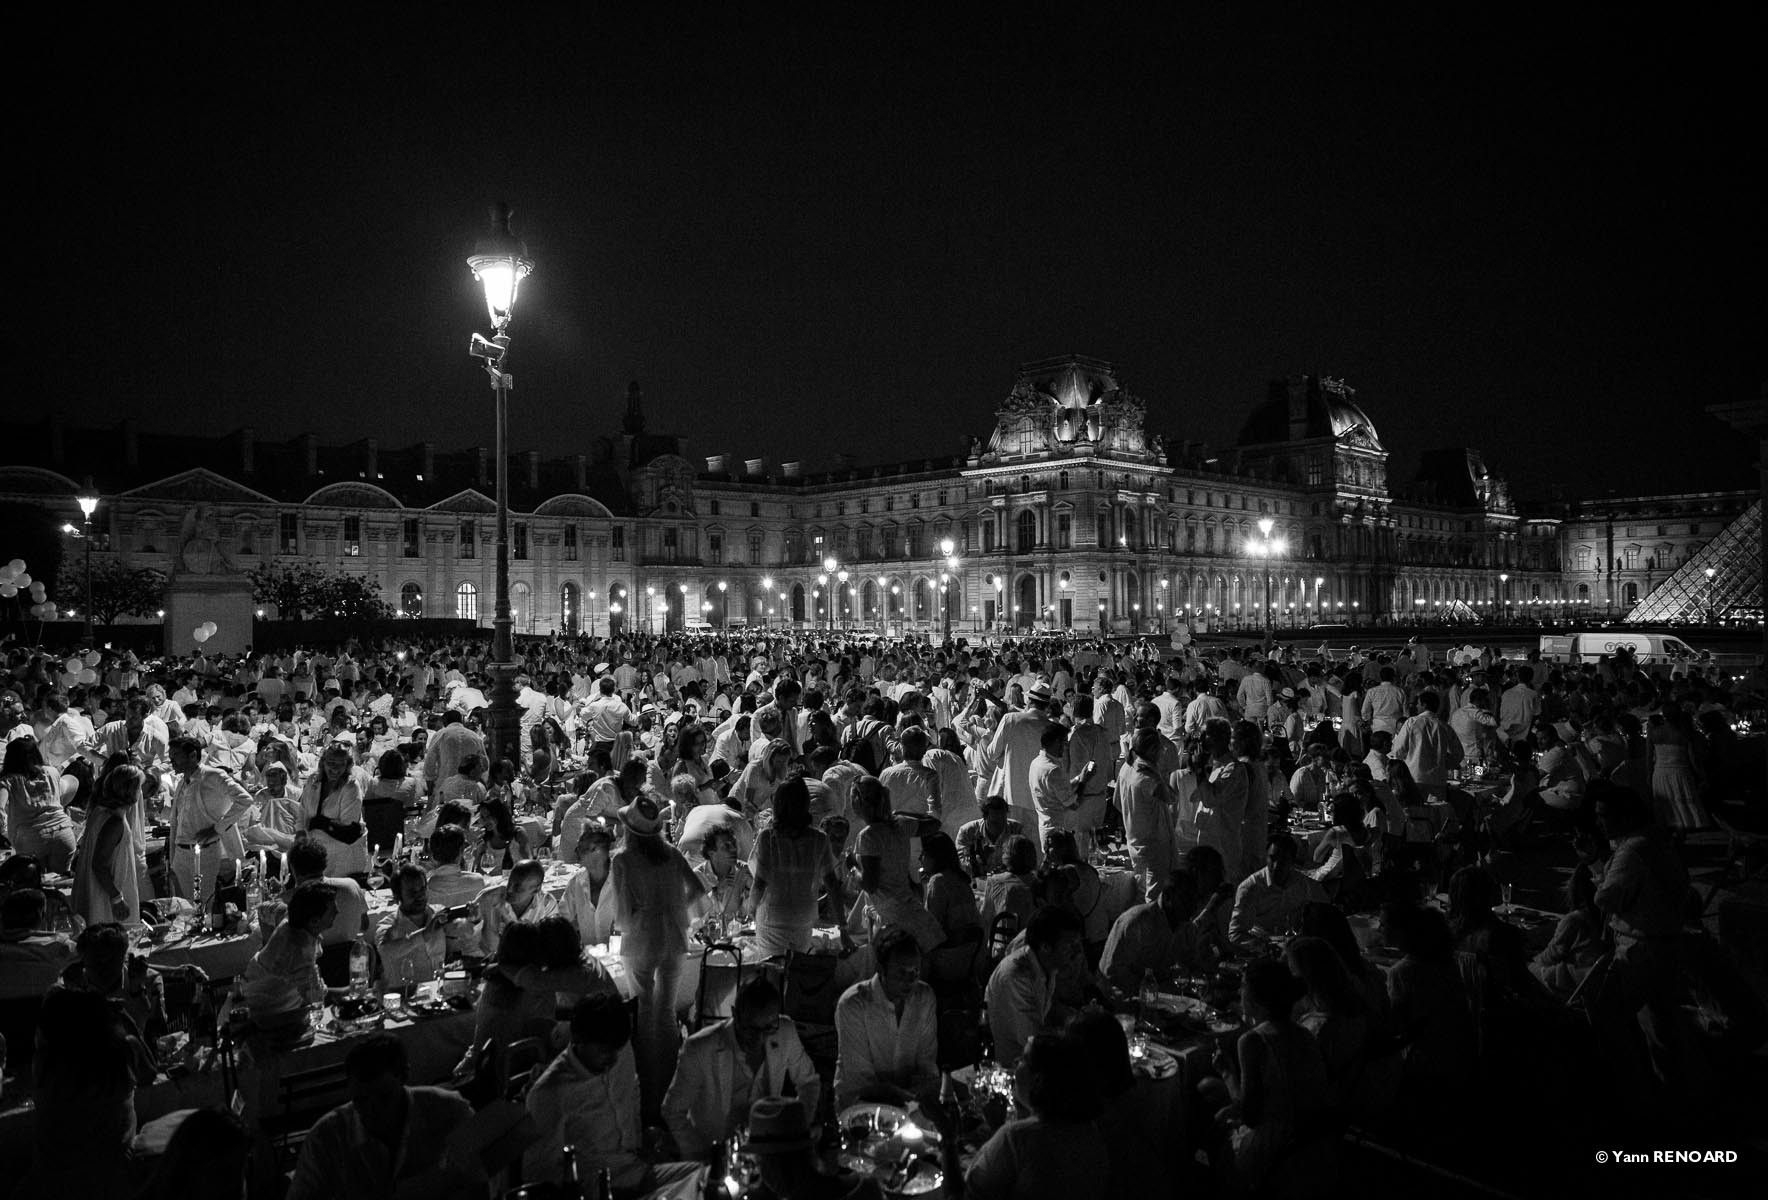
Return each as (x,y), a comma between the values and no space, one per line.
(521,607)
(411,600)
(466,602)
(1027,528)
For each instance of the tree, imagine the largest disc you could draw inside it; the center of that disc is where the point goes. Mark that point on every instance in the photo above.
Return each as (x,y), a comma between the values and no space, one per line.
(355,599)
(117,590)
(301,590)
(288,586)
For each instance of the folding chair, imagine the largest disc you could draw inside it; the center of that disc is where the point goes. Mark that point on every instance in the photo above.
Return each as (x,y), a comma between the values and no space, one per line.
(1001,932)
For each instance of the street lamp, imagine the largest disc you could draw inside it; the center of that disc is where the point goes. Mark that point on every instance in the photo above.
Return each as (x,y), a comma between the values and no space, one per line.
(500,262)
(1160,605)
(1267,547)
(1504,593)
(896,603)
(650,610)
(766,587)
(88,502)
(949,549)
(842,591)
(1710,573)
(829,566)
(724,603)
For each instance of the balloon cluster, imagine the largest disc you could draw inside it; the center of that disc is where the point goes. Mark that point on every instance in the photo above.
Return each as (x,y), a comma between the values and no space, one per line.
(204,632)
(80,669)
(15,579)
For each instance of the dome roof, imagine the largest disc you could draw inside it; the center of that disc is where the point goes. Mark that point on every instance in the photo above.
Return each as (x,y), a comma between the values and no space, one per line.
(1307,406)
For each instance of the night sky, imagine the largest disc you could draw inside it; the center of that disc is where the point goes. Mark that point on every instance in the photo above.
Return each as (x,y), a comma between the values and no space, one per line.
(811,230)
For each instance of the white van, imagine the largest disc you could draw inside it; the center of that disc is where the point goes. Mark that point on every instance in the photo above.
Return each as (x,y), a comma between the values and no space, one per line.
(1592,647)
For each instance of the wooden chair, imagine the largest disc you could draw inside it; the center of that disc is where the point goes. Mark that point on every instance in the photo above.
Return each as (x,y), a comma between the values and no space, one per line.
(302,1098)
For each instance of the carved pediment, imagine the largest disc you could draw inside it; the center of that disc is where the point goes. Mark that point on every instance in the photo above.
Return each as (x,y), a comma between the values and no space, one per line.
(468,500)
(198,484)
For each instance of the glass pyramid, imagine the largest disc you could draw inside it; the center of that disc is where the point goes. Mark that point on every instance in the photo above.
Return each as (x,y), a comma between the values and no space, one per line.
(1733,590)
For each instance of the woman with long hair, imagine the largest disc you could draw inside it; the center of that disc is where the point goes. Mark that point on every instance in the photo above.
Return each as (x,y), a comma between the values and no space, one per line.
(502,842)
(789,865)
(332,805)
(893,893)
(1675,784)
(106,887)
(30,797)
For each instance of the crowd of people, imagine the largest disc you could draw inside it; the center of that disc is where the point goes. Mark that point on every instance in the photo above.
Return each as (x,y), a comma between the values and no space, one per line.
(952,807)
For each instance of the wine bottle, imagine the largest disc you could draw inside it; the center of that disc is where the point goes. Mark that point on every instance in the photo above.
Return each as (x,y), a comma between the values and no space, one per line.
(604,1184)
(717,1167)
(573,1181)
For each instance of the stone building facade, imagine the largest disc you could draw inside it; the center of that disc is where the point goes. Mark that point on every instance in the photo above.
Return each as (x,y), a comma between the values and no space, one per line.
(1074,512)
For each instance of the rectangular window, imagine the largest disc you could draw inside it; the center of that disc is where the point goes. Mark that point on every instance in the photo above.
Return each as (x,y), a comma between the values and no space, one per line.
(353,536)
(408,538)
(712,508)
(841,508)
(890,504)
(890,543)
(1064,531)
(288,539)
(570,543)
(915,500)
(519,542)
(942,499)
(671,545)
(617,543)
(865,504)
(1694,529)
(469,539)
(1191,538)
(755,549)
(911,543)
(862,543)
(755,508)
(466,602)
(1632,560)
(715,547)
(988,536)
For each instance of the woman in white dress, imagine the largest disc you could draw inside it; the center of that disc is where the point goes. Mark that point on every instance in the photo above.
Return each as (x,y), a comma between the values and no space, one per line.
(331,803)
(105,882)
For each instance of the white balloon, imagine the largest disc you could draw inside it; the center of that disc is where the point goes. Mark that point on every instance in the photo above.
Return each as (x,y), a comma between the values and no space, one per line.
(6,574)
(211,627)
(39,593)
(49,613)
(200,634)
(16,566)
(69,680)
(22,579)
(88,675)
(8,590)
(74,665)
(93,658)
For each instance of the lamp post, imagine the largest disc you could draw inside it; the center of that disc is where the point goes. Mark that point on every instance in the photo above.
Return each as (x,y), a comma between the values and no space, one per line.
(883,606)
(1504,594)
(724,604)
(1267,546)
(650,610)
(766,587)
(500,262)
(949,549)
(1710,573)
(844,594)
(896,603)
(830,565)
(1160,605)
(88,501)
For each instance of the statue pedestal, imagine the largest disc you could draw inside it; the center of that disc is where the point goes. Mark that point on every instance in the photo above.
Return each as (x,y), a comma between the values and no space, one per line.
(223,599)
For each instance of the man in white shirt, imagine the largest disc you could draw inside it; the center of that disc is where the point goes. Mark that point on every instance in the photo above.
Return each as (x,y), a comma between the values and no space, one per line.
(726,1067)
(1428,747)
(887,1030)
(1171,704)
(1023,986)
(1054,791)
(1518,707)
(1384,705)
(588,1098)
(411,940)
(445,749)
(607,716)
(1271,899)
(208,809)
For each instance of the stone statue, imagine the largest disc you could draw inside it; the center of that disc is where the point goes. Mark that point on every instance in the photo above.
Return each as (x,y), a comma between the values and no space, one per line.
(199,544)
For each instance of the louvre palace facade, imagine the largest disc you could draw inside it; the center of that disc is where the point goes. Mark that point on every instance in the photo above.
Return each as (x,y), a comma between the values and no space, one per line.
(1073,513)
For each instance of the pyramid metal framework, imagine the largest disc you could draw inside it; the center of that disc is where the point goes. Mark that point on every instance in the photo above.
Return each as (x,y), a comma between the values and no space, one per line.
(1735,589)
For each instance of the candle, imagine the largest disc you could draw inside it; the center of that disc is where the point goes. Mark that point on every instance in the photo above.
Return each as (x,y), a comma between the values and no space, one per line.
(613,943)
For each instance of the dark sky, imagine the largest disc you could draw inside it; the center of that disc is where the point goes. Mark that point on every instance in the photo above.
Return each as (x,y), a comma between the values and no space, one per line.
(808,230)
